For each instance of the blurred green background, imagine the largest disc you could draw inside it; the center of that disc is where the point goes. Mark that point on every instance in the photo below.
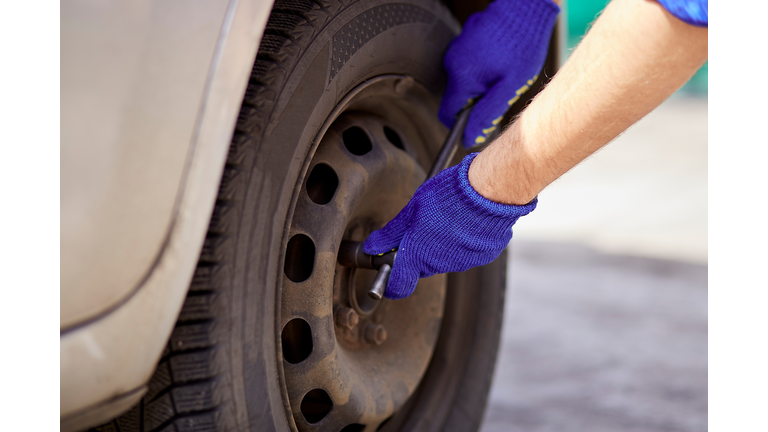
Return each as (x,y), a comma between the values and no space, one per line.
(581,13)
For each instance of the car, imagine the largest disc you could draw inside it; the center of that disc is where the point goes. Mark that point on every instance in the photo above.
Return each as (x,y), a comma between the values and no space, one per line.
(215,154)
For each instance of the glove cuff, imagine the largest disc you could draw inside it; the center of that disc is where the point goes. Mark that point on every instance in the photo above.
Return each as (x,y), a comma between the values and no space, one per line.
(693,12)
(482,205)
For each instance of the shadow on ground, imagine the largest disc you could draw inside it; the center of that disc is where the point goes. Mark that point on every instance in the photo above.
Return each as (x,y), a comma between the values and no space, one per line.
(596,342)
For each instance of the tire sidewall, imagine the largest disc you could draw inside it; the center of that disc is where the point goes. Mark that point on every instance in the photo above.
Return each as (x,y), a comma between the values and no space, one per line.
(308,96)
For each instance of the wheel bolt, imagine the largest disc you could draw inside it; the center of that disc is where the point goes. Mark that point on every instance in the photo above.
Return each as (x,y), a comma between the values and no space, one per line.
(346,317)
(375,333)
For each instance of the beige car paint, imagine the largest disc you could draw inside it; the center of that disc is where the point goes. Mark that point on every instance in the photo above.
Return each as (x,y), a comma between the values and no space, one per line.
(133,77)
(150,95)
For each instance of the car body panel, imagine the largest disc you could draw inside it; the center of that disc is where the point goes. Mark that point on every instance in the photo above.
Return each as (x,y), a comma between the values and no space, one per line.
(133,78)
(114,346)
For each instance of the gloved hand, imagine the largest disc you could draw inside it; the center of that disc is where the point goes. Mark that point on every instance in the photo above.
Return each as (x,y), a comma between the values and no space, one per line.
(446,227)
(497,56)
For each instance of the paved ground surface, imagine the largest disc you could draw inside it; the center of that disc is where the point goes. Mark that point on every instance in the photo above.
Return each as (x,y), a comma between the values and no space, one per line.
(595,342)
(606,312)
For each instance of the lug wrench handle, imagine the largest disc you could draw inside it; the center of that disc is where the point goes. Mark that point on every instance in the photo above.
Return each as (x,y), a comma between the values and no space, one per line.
(379,284)
(351,255)
(451,143)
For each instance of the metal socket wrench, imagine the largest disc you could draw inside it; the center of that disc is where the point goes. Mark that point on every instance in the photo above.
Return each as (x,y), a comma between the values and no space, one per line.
(351,255)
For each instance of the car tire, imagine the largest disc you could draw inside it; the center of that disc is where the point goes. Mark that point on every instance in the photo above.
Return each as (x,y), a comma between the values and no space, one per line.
(224,367)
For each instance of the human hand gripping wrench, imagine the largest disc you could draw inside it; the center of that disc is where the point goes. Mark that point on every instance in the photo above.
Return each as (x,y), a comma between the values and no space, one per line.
(448,226)
(351,252)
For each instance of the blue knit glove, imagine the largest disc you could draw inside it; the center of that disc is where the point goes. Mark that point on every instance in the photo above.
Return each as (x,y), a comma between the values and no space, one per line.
(497,56)
(446,227)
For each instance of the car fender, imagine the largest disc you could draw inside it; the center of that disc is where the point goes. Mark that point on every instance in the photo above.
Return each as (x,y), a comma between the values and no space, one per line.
(146,125)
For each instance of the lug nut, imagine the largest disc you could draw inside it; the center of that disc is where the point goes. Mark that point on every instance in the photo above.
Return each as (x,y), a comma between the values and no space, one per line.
(346,317)
(375,333)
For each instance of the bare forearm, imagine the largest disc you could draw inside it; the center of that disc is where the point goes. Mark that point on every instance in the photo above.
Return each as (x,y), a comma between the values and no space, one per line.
(634,57)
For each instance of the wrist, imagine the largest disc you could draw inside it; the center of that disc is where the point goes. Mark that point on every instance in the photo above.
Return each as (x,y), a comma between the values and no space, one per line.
(501,172)
(501,214)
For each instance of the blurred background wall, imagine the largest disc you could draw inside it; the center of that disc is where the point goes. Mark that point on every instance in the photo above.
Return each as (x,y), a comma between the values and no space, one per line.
(581,14)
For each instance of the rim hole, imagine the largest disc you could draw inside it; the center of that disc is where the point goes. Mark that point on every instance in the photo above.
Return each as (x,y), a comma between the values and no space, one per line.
(299,258)
(316,405)
(322,184)
(394,138)
(356,141)
(354,427)
(384,423)
(297,341)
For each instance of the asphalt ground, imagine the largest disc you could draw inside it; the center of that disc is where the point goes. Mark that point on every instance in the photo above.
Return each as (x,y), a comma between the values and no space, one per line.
(597,342)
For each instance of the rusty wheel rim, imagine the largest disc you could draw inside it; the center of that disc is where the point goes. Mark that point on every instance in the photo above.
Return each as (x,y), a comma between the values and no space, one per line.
(349,363)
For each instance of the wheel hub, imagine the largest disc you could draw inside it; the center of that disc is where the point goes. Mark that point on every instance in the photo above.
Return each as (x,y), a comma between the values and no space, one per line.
(350,362)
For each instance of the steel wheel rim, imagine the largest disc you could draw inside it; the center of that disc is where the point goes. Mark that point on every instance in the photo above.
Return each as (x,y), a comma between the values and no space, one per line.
(338,373)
